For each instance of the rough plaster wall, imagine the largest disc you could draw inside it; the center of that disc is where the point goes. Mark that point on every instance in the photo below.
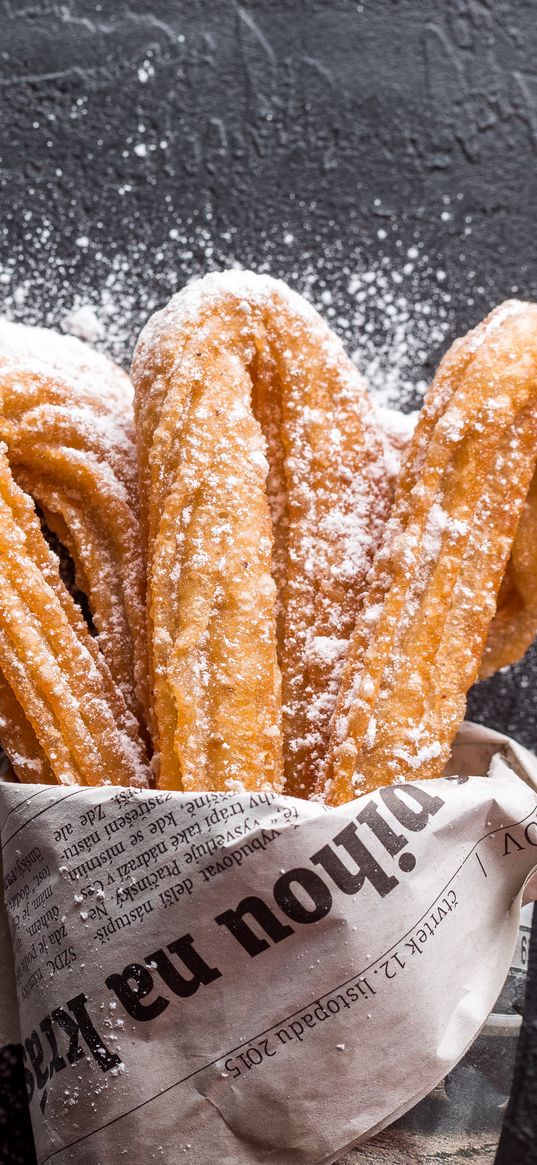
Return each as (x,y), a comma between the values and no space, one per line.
(345,146)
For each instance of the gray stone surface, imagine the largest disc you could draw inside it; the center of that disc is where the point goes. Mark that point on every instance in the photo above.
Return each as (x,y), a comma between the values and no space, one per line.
(335,143)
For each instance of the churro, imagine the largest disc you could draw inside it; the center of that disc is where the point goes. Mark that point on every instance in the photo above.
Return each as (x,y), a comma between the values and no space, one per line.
(514,626)
(259,461)
(67,443)
(433,589)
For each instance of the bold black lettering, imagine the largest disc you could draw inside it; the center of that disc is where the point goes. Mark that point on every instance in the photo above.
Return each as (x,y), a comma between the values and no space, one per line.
(315,888)
(392,842)
(65,1021)
(34,1049)
(201,973)
(57,1062)
(131,997)
(263,915)
(101,1054)
(394,799)
(366,865)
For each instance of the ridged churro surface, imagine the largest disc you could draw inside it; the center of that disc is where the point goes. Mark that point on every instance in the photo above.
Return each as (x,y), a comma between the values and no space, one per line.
(67,444)
(264,491)
(433,589)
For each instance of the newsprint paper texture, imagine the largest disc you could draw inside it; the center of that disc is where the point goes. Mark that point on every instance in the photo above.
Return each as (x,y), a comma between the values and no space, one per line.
(237,979)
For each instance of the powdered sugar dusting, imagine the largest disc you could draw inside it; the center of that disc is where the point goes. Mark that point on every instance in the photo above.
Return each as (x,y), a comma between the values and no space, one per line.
(381,310)
(85,323)
(66,354)
(328,486)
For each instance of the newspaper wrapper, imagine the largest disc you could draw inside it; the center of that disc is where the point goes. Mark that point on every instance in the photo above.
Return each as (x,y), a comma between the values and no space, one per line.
(240,978)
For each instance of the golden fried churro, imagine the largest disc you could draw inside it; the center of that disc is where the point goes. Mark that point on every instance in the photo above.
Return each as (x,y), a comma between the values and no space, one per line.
(237,367)
(514,626)
(432,591)
(20,742)
(67,441)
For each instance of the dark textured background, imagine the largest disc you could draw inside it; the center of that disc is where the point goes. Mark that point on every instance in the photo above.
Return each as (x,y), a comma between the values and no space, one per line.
(381,156)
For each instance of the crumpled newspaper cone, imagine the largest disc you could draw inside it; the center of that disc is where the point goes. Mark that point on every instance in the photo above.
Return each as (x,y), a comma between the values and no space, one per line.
(253,978)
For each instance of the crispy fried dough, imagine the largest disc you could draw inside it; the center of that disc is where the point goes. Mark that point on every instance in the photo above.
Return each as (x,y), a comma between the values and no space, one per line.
(432,592)
(237,371)
(67,442)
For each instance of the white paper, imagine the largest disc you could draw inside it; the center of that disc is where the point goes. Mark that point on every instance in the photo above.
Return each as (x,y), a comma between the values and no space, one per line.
(161,1023)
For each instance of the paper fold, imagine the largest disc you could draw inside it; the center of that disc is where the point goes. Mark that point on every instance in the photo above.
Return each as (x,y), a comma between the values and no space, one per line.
(254,979)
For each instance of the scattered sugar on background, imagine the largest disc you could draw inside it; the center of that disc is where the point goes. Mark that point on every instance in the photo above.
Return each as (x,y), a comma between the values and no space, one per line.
(387,321)
(396,317)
